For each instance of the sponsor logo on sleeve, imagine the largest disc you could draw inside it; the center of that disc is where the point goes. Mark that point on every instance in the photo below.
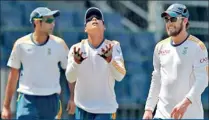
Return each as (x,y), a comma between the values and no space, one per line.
(204,60)
(164,52)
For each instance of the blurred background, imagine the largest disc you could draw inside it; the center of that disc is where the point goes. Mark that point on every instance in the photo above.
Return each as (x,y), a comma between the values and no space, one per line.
(136,24)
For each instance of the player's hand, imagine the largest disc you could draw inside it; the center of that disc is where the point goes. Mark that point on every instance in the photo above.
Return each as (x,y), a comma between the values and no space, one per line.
(107,54)
(78,56)
(147,114)
(6,113)
(71,107)
(179,110)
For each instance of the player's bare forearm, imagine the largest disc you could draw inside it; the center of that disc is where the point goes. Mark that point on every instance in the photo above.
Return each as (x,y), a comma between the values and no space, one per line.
(72,87)
(11,86)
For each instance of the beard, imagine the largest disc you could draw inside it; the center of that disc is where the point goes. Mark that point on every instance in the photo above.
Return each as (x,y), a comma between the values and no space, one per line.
(176,31)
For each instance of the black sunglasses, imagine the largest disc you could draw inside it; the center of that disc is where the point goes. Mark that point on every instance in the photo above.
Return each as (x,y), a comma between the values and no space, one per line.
(171,19)
(93,16)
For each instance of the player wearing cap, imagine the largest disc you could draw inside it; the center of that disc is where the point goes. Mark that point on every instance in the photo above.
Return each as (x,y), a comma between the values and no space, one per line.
(94,64)
(39,54)
(180,70)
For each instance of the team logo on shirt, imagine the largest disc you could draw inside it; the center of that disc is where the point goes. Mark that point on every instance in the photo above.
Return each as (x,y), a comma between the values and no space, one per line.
(164,52)
(185,51)
(29,50)
(49,51)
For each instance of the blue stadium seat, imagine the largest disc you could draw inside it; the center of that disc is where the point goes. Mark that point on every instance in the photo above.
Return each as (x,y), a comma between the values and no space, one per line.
(130,54)
(123,37)
(133,67)
(5,6)
(5,53)
(65,21)
(144,42)
(122,90)
(11,36)
(32,4)
(113,22)
(139,84)
(12,21)
(11,16)
(70,38)
(27,7)
(205,99)
(79,19)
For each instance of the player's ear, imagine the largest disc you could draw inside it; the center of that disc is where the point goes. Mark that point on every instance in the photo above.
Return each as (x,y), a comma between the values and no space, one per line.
(36,22)
(185,20)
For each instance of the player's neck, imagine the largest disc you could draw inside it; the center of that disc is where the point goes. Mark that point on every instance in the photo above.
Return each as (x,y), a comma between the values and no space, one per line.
(95,40)
(40,37)
(180,37)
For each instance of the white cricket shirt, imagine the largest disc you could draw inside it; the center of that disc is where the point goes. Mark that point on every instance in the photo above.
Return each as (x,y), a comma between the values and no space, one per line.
(179,71)
(95,78)
(40,74)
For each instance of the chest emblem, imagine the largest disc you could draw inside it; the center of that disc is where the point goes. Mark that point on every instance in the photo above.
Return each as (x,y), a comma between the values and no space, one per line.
(184,52)
(49,51)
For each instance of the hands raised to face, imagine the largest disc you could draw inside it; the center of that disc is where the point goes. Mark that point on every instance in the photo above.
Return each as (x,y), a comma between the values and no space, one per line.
(78,56)
(107,53)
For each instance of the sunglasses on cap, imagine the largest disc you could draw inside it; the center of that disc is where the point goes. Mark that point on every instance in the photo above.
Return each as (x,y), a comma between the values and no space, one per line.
(93,16)
(172,19)
(47,20)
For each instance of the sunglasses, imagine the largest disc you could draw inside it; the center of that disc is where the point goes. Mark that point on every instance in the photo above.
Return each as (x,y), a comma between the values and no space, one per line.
(47,20)
(172,19)
(93,16)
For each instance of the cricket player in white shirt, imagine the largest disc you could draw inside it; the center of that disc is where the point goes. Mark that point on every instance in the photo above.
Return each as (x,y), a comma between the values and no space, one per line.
(94,64)
(180,71)
(39,82)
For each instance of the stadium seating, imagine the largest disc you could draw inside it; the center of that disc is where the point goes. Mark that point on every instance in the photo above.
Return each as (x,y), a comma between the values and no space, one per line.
(79,19)
(65,21)
(27,8)
(70,38)
(144,43)
(123,37)
(12,17)
(139,84)
(205,99)
(11,36)
(113,22)
(5,53)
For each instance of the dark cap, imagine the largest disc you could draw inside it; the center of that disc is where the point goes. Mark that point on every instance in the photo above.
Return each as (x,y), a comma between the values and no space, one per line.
(175,10)
(93,11)
(43,11)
